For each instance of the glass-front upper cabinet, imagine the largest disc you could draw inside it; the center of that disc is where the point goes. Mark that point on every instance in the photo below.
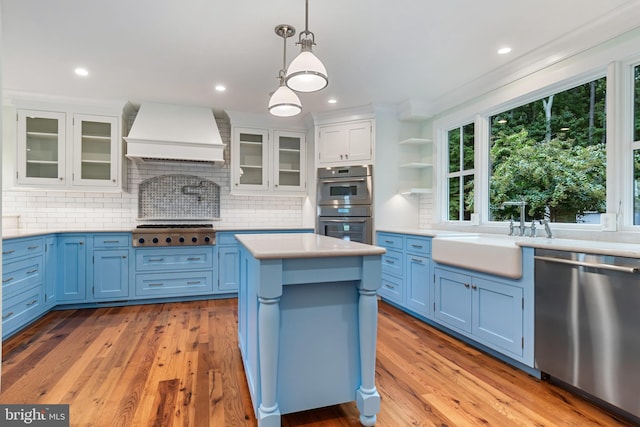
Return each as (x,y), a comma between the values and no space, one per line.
(249,159)
(289,161)
(41,147)
(95,150)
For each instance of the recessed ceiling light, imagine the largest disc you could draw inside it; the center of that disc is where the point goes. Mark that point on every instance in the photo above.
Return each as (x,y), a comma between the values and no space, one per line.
(81,71)
(220,88)
(504,50)
(332,101)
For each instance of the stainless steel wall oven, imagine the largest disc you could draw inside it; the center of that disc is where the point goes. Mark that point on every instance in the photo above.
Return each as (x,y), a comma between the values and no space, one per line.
(345,203)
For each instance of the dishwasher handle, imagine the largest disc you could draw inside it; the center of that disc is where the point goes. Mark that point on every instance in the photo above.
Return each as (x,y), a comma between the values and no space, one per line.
(602,266)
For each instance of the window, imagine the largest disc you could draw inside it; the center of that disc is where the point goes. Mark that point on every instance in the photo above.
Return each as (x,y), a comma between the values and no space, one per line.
(552,153)
(461,142)
(636,145)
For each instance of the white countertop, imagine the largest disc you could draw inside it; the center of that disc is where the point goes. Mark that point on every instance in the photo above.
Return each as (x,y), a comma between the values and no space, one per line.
(303,245)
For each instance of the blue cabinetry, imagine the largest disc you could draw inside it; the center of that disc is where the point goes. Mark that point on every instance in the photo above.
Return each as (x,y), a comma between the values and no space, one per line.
(110,270)
(406,272)
(72,268)
(51,268)
(490,311)
(23,273)
(175,271)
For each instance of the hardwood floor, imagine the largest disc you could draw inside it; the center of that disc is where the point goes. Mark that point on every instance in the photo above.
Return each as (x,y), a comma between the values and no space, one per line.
(178,364)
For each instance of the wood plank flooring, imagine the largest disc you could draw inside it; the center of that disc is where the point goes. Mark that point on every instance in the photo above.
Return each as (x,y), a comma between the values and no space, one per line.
(178,364)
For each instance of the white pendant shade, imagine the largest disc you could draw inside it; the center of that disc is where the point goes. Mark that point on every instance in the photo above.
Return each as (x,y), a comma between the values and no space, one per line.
(284,103)
(306,73)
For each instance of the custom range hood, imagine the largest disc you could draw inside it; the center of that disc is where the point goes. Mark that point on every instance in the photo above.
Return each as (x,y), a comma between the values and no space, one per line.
(175,132)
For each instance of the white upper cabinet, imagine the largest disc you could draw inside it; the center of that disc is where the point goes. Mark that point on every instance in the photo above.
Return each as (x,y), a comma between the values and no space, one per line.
(95,145)
(268,161)
(345,143)
(41,148)
(250,160)
(289,161)
(60,147)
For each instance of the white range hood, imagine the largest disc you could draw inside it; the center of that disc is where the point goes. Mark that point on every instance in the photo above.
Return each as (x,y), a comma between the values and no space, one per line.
(175,132)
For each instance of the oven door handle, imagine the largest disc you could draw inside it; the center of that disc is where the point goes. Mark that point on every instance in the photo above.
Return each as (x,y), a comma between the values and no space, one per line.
(343,220)
(341,180)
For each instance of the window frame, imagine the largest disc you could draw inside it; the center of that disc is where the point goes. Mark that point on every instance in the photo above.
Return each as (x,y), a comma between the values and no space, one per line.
(619,198)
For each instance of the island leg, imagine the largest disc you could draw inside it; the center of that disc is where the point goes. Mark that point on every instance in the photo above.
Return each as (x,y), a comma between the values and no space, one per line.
(268,343)
(367,397)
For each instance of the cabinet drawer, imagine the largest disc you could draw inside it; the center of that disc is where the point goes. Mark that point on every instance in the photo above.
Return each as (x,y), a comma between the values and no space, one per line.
(175,284)
(392,263)
(418,245)
(14,249)
(19,275)
(390,241)
(174,259)
(19,310)
(391,289)
(112,240)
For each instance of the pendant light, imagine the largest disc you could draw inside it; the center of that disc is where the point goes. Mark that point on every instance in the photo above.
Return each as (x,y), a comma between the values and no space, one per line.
(306,72)
(284,102)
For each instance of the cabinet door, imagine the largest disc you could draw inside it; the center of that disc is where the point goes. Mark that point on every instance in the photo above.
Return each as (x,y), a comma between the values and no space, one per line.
(96,150)
(229,268)
(418,278)
(72,267)
(453,300)
(332,144)
(50,270)
(249,159)
(289,162)
(359,137)
(110,274)
(498,315)
(41,147)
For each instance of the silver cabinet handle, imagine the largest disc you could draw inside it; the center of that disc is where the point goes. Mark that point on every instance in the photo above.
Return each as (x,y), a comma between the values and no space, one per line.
(466,285)
(193,282)
(33,247)
(8,252)
(35,270)
(416,260)
(474,287)
(416,246)
(156,259)
(589,264)
(29,304)
(156,284)
(388,241)
(110,241)
(194,259)
(6,316)
(8,279)
(81,242)
(388,261)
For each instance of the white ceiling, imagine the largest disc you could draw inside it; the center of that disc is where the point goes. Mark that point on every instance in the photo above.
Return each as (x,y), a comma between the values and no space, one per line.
(375,51)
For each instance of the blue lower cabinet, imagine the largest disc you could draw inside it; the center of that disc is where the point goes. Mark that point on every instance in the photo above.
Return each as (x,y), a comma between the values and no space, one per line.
(489,311)
(175,271)
(157,285)
(229,261)
(110,274)
(19,310)
(418,275)
(50,270)
(452,306)
(72,268)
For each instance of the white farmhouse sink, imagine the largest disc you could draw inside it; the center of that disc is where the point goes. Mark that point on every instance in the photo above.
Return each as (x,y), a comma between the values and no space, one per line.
(494,254)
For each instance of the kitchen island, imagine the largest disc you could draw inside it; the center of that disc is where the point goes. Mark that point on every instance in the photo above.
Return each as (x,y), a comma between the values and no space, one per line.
(307,323)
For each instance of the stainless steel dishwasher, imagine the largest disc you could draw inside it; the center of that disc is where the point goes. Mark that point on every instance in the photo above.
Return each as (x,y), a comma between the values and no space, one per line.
(587,324)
